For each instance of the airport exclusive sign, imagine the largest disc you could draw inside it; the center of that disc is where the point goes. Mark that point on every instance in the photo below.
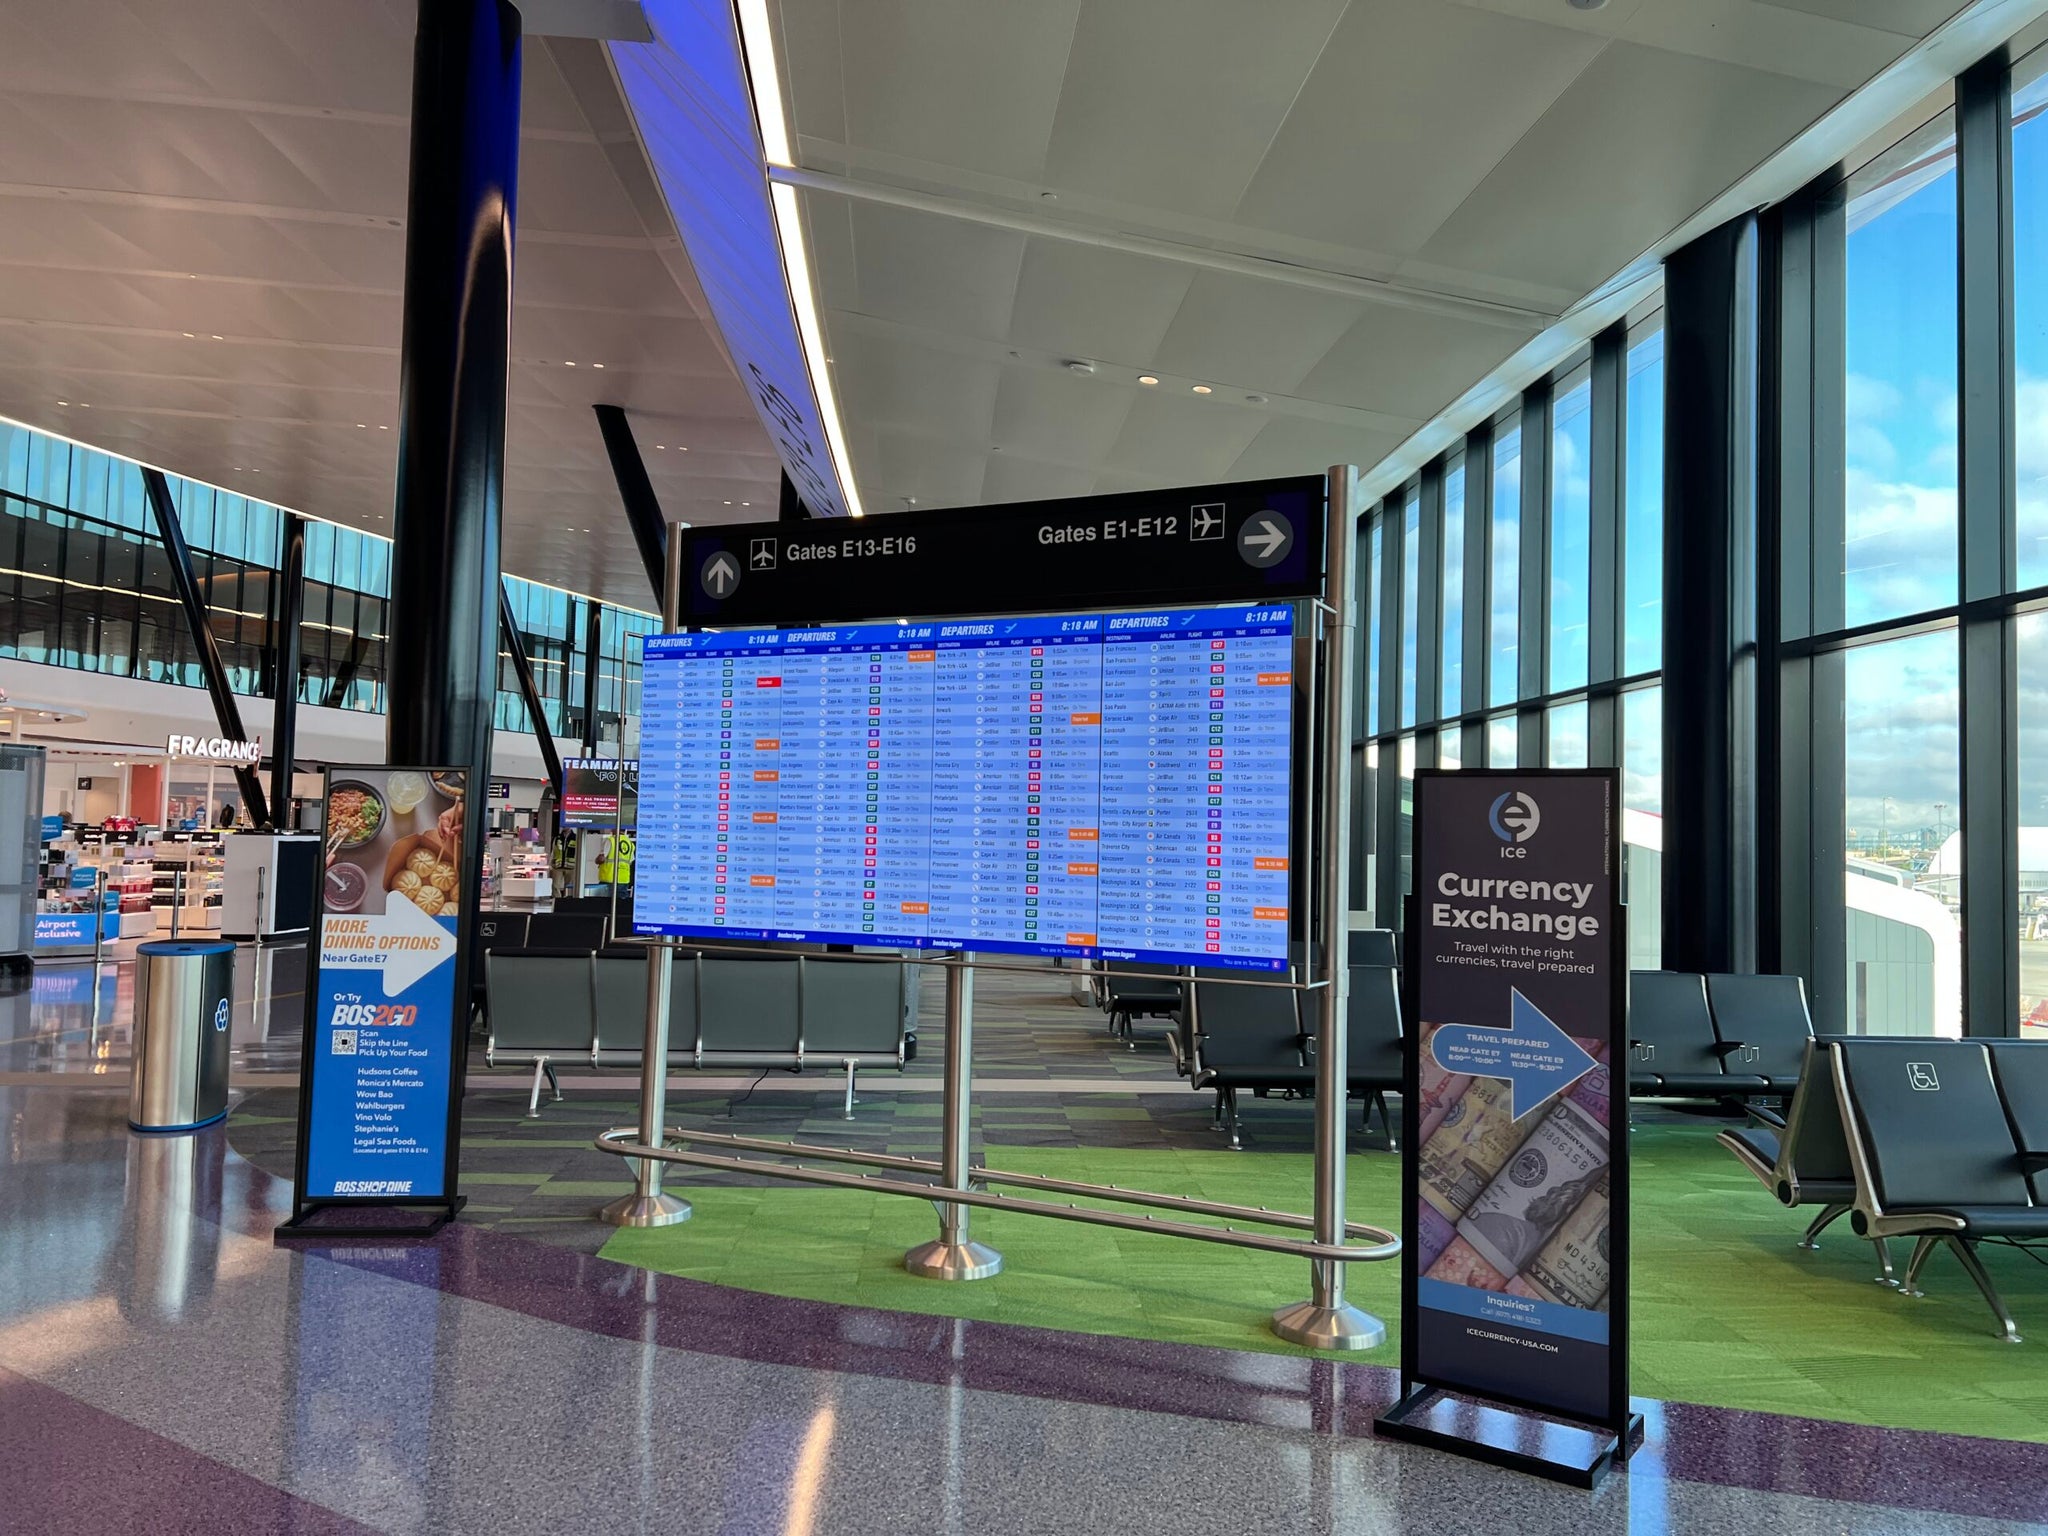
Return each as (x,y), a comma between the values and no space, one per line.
(1515,1171)
(386,1009)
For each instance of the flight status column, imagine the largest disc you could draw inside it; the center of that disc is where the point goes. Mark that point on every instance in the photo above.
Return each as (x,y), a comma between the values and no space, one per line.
(678,700)
(896,805)
(1190,807)
(1251,708)
(749,786)
(1064,779)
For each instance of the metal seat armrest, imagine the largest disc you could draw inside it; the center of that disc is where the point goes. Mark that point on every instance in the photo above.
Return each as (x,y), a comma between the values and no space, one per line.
(1769,1117)
(2034,1162)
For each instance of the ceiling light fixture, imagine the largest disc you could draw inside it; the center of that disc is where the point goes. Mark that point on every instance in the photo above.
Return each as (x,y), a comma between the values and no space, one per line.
(217,338)
(63,402)
(568,365)
(771,119)
(1202,389)
(190,337)
(1148,378)
(597,365)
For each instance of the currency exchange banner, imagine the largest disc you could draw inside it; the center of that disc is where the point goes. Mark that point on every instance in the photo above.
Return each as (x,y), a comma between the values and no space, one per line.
(386,999)
(1517,1181)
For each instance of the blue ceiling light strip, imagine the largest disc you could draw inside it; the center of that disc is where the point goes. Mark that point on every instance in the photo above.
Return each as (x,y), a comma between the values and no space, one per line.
(689,94)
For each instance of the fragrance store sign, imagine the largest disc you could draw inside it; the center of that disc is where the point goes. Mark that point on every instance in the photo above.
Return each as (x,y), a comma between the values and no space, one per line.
(213,749)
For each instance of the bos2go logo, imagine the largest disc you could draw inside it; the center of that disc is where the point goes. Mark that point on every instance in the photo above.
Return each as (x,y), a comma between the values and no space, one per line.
(1514,818)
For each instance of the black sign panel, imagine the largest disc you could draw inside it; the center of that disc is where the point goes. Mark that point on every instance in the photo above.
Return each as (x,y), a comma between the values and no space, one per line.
(1516,1159)
(1255,541)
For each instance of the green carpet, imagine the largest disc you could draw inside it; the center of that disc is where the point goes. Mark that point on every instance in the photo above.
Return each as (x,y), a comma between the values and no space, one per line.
(1728,1311)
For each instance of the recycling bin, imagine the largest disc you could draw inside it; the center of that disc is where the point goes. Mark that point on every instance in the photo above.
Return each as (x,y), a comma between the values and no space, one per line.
(184,998)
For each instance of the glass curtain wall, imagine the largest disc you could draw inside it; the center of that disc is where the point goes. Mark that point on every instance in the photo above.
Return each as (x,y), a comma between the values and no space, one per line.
(1456,611)
(84,582)
(1912,573)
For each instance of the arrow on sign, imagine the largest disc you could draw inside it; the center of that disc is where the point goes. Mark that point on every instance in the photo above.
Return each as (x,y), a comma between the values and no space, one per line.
(1536,1057)
(1265,536)
(721,575)
(405,945)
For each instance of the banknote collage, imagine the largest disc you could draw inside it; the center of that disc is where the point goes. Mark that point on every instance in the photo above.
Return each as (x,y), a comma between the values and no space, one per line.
(1514,1203)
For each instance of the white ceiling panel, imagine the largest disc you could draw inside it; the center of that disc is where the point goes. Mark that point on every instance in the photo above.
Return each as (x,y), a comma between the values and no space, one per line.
(980,77)
(1084,302)
(1532,216)
(1356,208)
(237,169)
(1172,103)
(1389,134)
(1183,438)
(1051,415)
(933,272)
(1254,335)
(904,386)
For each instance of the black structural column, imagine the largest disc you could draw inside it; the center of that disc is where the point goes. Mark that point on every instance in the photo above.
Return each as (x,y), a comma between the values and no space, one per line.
(286,611)
(593,673)
(1711,854)
(199,623)
(636,494)
(529,690)
(443,650)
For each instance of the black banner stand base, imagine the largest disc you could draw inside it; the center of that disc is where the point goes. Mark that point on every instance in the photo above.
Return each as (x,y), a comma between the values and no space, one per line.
(303,1224)
(1576,1454)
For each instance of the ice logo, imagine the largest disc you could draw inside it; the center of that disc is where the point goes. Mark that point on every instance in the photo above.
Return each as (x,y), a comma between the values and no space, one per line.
(1514,817)
(220,1015)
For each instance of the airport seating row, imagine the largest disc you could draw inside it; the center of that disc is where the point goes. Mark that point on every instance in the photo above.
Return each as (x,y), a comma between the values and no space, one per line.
(555,1004)
(1717,1037)
(1943,1141)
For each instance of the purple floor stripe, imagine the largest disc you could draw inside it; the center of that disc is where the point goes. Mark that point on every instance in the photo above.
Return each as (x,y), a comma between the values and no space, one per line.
(1763,1452)
(91,1473)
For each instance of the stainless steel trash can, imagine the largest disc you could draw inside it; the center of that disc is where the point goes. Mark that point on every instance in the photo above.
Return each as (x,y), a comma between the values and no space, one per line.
(184,997)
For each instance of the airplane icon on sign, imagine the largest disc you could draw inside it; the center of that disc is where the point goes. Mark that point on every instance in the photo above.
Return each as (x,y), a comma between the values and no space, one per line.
(762,555)
(1205,521)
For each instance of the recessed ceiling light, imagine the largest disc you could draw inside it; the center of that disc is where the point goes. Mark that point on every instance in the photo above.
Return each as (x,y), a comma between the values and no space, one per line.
(1254,399)
(362,426)
(746,503)
(216,338)
(382,428)
(728,503)
(1148,378)
(1202,389)
(1079,365)
(662,446)
(190,337)
(568,365)
(85,405)
(63,402)
(597,365)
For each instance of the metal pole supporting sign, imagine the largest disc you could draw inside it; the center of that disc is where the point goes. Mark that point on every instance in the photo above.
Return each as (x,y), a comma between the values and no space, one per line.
(953,1255)
(1326,1320)
(648,1206)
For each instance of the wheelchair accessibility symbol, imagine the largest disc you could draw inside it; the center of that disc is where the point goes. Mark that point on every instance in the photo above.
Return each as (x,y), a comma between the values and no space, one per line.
(220,1015)
(1920,1074)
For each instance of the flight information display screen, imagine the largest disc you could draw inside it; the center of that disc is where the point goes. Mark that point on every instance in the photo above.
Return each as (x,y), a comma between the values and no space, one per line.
(1109,786)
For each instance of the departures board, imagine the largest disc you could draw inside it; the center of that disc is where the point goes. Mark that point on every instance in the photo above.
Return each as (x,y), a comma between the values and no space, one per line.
(1105,785)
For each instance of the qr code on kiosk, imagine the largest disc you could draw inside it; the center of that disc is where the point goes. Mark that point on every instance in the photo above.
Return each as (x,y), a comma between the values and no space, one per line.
(344,1042)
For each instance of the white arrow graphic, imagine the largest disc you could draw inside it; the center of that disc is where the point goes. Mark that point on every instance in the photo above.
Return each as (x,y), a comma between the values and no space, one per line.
(721,575)
(402,942)
(1266,535)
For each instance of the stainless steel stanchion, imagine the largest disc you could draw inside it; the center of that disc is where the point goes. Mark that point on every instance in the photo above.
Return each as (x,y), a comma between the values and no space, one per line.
(647,1206)
(953,1255)
(1326,1320)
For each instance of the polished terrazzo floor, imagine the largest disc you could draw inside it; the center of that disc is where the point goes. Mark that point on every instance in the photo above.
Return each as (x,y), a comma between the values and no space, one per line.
(165,1366)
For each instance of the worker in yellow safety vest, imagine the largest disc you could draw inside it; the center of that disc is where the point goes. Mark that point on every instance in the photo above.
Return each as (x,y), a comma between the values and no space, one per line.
(615,859)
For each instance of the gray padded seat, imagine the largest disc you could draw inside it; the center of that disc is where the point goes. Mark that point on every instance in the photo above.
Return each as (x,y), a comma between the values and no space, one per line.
(1248,1037)
(1673,1049)
(541,1010)
(1763,1025)
(1374,946)
(749,1012)
(619,987)
(1939,1159)
(852,1009)
(2021,1067)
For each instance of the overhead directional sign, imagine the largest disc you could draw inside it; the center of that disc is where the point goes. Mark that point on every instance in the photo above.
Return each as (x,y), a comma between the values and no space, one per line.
(1256,541)
(1536,1058)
